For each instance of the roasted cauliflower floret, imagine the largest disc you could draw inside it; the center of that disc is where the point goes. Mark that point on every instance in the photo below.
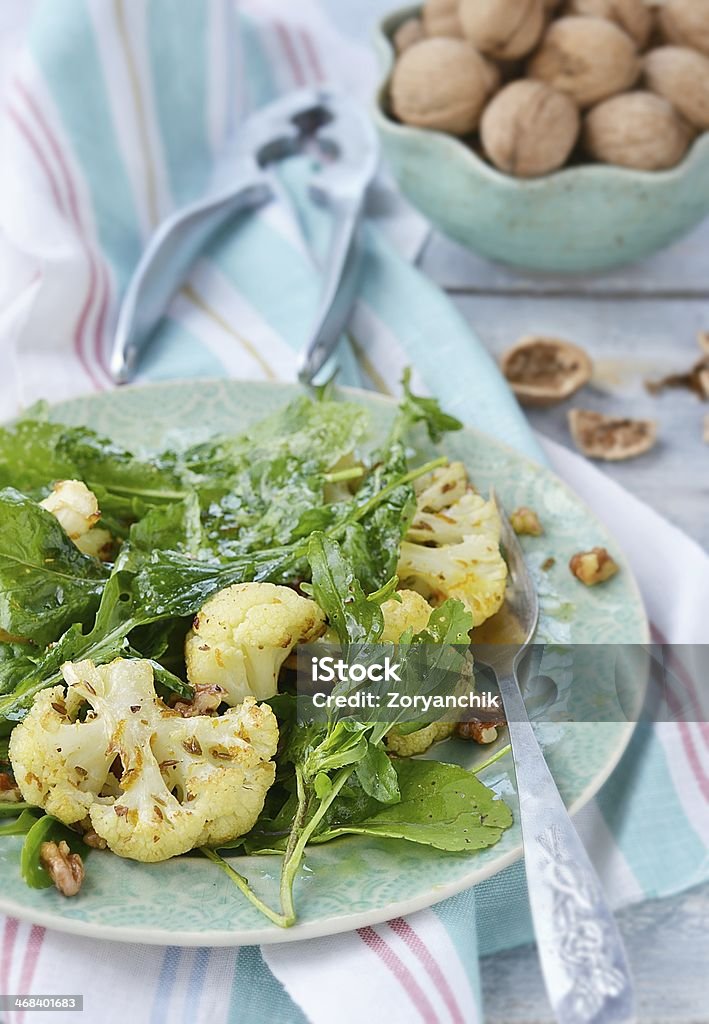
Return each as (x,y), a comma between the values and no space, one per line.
(453,546)
(411,612)
(98,542)
(76,510)
(469,514)
(184,782)
(242,636)
(74,506)
(439,489)
(418,742)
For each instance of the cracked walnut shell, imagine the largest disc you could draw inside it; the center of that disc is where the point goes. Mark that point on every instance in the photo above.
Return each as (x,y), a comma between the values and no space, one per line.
(611,438)
(543,371)
(593,567)
(588,58)
(442,84)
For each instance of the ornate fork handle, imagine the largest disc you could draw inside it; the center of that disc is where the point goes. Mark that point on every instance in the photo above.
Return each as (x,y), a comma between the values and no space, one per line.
(580,948)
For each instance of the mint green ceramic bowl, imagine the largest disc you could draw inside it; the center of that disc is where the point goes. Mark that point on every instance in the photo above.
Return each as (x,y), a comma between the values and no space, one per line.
(581,219)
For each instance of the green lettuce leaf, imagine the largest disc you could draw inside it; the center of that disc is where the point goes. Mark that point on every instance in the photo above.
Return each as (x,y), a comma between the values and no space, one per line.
(46,583)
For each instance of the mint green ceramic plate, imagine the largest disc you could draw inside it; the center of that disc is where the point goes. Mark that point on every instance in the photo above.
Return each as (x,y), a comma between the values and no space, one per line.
(353,881)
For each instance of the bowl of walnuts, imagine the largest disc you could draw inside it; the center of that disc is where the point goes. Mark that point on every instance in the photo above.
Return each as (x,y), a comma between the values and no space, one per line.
(557,135)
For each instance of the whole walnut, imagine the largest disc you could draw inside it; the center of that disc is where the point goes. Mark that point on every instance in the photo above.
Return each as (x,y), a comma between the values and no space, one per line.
(633,16)
(409,32)
(686,22)
(529,128)
(589,58)
(681,75)
(637,129)
(504,29)
(440,18)
(442,84)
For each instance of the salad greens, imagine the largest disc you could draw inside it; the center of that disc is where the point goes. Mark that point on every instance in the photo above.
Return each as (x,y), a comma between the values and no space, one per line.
(294,501)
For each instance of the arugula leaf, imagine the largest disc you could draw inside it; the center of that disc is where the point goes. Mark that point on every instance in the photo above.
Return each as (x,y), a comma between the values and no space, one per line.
(377,775)
(415,409)
(441,805)
(118,615)
(35,453)
(339,593)
(310,435)
(373,543)
(21,825)
(46,583)
(449,624)
(15,662)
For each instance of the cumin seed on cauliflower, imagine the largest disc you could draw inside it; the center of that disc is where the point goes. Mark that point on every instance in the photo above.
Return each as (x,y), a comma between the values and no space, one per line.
(184,783)
(244,633)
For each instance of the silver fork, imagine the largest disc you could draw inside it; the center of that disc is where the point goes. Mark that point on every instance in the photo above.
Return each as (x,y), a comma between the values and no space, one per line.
(580,948)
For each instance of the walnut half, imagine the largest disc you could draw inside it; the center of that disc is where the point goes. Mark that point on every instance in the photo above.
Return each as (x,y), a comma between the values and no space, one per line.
(592,567)
(525,522)
(480,730)
(9,793)
(611,437)
(66,869)
(207,698)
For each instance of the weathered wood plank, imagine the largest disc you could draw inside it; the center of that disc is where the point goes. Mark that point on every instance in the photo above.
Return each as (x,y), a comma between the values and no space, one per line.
(681,270)
(630,341)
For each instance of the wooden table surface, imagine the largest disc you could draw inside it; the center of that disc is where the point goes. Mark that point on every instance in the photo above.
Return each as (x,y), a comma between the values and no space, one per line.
(637,323)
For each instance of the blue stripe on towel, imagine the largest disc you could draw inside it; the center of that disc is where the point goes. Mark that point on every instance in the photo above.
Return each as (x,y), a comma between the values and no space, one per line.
(257,996)
(165,985)
(178,55)
(195,985)
(75,78)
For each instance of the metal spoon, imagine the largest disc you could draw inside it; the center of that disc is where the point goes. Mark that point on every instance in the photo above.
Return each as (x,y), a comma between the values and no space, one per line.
(581,952)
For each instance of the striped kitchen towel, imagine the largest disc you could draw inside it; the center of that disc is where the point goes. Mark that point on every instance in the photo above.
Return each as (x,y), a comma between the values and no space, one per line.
(116,113)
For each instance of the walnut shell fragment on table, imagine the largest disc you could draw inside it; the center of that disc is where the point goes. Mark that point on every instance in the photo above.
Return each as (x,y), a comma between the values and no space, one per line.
(696,380)
(543,371)
(703,341)
(593,567)
(612,438)
(706,430)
